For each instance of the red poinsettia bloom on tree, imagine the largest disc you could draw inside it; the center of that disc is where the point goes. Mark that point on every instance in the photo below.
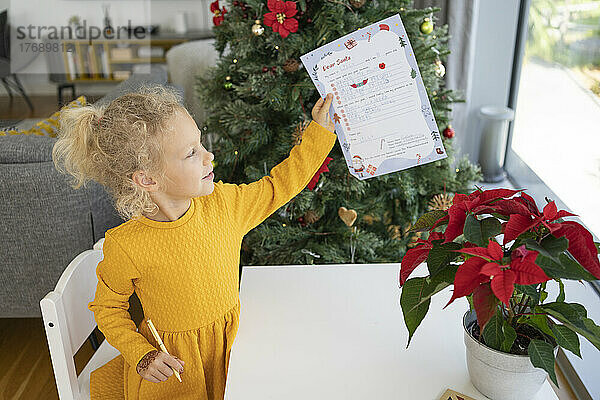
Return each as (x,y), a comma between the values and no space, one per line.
(315,178)
(218,17)
(280,18)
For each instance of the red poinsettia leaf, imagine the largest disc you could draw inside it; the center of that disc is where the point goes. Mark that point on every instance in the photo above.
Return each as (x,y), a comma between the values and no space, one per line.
(491,269)
(467,278)
(476,251)
(529,202)
(282,30)
(550,211)
(456,223)
(214,6)
(526,271)
(459,198)
(494,250)
(484,209)
(291,24)
(435,236)
(277,6)
(503,285)
(411,260)
(516,225)
(269,19)
(313,182)
(289,9)
(485,304)
(581,245)
(508,207)
(493,194)
(562,214)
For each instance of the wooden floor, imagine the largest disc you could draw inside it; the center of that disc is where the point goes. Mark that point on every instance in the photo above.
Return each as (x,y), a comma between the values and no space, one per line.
(26,369)
(25,366)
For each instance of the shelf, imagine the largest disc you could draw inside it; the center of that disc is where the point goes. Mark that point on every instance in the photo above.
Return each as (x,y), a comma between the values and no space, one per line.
(139,60)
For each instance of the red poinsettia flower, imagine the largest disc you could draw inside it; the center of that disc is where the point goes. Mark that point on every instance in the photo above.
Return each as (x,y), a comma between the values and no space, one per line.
(463,204)
(315,178)
(218,17)
(280,18)
(487,264)
(519,223)
(417,255)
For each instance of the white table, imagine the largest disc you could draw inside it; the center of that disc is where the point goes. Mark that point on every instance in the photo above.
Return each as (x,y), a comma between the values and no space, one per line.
(336,332)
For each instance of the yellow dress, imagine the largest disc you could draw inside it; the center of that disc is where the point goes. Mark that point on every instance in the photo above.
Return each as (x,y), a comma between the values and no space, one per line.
(186,275)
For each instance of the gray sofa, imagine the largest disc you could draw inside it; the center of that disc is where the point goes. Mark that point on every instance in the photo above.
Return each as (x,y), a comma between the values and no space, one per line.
(46,223)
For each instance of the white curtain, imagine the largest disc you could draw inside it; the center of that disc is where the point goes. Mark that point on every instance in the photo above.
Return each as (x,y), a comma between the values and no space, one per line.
(461,17)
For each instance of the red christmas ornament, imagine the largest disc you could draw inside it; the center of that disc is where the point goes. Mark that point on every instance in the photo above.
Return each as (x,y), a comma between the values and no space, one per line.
(265,69)
(280,18)
(302,222)
(313,182)
(218,17)
(449,132)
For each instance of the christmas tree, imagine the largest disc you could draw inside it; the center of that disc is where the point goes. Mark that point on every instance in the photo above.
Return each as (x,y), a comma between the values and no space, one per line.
(258,100)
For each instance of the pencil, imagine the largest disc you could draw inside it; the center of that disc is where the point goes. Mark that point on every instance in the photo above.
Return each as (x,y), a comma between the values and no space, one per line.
(162,345)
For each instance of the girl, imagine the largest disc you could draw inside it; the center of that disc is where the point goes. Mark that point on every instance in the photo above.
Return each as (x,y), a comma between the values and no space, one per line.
(180,245)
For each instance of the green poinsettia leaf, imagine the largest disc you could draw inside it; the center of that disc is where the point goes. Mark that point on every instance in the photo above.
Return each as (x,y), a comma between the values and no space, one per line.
(412,308)
(566,338)
(561,295)
(426,221)
(493,335)
(529,290)
(441,255)
(509,337)
(550,246)
(574,316)
(435,284)
(564,268)
(542,356)
(480,232)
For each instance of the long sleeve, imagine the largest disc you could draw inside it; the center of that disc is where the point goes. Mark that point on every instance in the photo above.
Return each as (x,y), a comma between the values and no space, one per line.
(116,276)
(250,204)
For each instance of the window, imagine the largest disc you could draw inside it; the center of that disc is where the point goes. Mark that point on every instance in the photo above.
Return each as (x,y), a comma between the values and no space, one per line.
(556,131)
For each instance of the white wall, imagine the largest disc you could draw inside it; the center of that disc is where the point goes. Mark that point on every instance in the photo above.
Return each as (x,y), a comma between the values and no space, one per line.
(494,48)
(57,12)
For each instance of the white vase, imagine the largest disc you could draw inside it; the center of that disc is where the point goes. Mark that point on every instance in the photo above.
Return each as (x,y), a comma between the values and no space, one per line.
(492,148)
(498,375)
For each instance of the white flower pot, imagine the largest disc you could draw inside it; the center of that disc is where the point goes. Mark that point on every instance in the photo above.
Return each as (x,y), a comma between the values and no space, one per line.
(498,375)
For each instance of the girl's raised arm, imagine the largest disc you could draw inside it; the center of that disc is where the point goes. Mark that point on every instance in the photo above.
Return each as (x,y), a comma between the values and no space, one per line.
(250,204)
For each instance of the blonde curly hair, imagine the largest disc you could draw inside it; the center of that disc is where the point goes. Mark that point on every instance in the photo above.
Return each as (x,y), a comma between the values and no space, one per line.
(108,143)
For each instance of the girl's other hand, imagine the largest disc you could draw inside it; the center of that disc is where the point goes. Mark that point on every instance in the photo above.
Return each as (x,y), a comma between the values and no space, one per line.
(320,113)
(156,366)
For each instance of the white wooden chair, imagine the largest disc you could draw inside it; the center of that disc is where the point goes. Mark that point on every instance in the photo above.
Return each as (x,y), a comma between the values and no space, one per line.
(98,244)
(68,323)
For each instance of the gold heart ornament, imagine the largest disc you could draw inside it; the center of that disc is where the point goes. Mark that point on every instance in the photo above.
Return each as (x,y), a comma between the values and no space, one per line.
(348,216)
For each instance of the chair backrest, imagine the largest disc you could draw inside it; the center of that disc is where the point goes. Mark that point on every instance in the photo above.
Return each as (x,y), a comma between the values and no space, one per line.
(67,319)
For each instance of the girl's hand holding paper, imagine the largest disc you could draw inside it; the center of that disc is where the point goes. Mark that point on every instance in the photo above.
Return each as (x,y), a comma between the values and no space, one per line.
(320,113)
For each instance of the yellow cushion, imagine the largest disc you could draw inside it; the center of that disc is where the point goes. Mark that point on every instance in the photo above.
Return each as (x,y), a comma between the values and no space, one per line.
(49,126)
